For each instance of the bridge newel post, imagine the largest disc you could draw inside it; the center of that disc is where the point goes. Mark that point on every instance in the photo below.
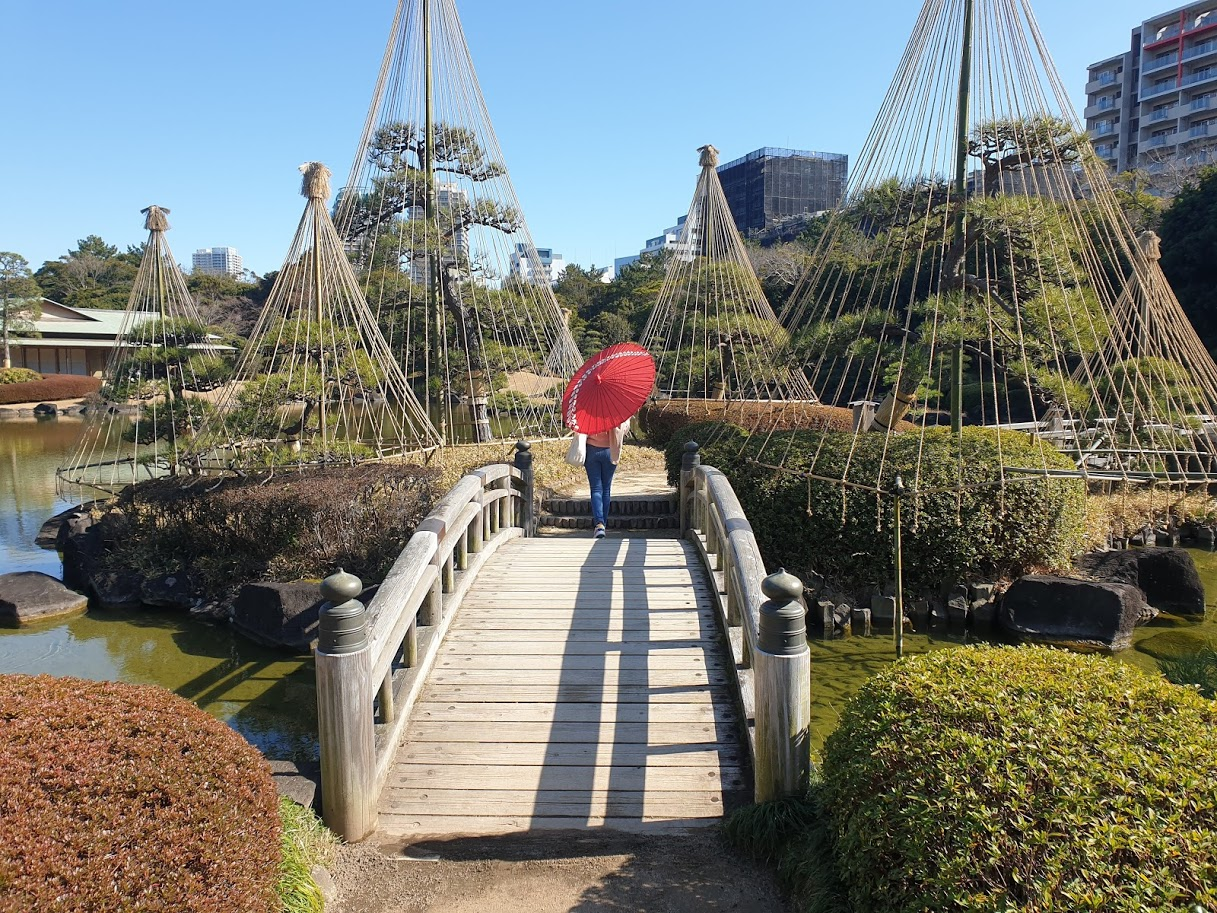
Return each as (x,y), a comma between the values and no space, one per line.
(689,461)
(523,462)
(345,712)
(782,675)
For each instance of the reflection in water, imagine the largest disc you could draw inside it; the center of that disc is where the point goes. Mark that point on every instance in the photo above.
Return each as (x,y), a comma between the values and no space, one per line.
(839,667)
(268,697)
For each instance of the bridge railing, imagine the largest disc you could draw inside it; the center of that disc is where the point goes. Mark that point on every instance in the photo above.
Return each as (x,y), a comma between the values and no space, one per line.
(372,662)
(765,620)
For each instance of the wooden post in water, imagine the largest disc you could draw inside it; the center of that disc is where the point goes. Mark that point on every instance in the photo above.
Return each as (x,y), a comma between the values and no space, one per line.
(689,461)
(345,721)
(782,675)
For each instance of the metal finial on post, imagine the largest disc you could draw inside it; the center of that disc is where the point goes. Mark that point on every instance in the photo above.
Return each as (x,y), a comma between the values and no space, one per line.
(342,625)
(689,461)
(523,462)
(782,622)
(782,676)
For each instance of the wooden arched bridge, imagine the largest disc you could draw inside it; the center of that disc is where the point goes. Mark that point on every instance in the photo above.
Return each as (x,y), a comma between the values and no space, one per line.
(502,680)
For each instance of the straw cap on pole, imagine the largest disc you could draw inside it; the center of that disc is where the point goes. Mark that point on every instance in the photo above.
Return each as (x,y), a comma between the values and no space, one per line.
(316,185)
(155,218)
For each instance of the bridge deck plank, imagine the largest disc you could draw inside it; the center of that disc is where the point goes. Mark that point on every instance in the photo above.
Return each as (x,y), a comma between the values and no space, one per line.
(583,684)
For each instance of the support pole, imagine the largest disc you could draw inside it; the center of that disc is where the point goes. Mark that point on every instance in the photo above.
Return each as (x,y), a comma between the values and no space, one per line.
(317,293)
(434,304)
(898,619)
(961,189)
(782,676)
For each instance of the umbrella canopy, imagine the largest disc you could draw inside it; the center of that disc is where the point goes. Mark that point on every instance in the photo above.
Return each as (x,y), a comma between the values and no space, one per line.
(610,387)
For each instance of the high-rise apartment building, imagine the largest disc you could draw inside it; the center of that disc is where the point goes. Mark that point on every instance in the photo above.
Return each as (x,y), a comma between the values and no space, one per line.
(772,185)
(540,264)
(218,261)
(1157,102)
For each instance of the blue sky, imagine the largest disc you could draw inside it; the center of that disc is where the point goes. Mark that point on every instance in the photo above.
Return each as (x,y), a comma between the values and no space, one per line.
(208,108)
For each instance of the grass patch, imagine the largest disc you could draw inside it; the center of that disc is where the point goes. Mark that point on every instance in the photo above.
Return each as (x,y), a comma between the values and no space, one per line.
(306,843)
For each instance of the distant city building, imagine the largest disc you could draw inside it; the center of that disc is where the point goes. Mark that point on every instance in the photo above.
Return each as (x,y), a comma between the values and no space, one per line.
(668,240)
(545,266)
(1156,103)
(218,261)
(447,197)
(771,185)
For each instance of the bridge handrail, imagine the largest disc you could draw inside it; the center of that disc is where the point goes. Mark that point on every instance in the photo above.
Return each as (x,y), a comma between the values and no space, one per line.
(766,632)
(371,662)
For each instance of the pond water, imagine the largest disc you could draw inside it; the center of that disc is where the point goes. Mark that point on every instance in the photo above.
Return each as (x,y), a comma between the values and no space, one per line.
(267,696)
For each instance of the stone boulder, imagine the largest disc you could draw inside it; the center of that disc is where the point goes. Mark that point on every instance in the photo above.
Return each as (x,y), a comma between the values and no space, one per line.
(170,591)
(1083,614)
(1167,576)
(116,589)
(28,596)
(282,615)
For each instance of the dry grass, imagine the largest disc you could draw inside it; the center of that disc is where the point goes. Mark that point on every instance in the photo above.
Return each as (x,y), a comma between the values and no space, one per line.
(549,462)
(1126,511)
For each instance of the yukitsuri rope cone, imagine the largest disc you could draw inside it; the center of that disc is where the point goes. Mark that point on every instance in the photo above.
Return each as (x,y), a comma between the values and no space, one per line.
(981,272)
(444,254)
(316,383)
(158,380)
(712,332)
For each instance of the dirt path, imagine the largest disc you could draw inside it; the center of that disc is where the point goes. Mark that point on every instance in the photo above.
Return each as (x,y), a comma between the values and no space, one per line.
(554,873)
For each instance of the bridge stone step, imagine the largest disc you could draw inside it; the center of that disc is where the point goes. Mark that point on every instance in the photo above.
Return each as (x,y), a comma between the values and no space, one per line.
(584,521)
(627,505)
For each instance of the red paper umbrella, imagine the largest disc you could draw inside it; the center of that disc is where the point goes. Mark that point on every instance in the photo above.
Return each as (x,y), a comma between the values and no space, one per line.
(610,387)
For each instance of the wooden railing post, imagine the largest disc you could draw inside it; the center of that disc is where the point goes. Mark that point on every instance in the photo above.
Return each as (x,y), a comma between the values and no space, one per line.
(345,722)
(689,461)
(523,462)
(782,673)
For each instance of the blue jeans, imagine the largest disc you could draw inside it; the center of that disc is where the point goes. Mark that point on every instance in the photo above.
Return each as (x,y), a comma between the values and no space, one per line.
(600,468)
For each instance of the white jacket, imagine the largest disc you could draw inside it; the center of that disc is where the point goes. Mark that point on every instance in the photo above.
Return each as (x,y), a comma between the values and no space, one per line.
(616,439)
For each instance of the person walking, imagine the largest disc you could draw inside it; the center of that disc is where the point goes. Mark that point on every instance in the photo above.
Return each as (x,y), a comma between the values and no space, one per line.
(600,399)
(600,453)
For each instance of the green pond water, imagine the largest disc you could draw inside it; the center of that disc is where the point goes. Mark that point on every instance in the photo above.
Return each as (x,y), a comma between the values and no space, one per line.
(269,697)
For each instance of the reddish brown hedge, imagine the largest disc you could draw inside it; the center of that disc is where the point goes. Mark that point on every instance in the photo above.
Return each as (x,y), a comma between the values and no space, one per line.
(127,797)
(49,389)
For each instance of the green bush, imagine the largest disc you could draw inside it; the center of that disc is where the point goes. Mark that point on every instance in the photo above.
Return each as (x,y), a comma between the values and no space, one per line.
(50,388)
(126,797)
(1030,780)
(951,533)
(18,375)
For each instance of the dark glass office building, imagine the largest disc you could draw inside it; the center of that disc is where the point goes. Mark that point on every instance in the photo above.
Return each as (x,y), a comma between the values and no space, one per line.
(771,185)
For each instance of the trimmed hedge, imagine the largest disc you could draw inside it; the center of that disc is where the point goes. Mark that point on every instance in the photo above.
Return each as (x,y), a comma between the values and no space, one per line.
(127,797)
(983,530)
(1024,779)
(52,387)
(18,375)
(662,421)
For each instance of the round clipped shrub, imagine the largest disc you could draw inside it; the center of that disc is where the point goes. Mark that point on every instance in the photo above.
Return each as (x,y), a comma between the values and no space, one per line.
(967,523)
(127,797)
(1024,779)
(18,375)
